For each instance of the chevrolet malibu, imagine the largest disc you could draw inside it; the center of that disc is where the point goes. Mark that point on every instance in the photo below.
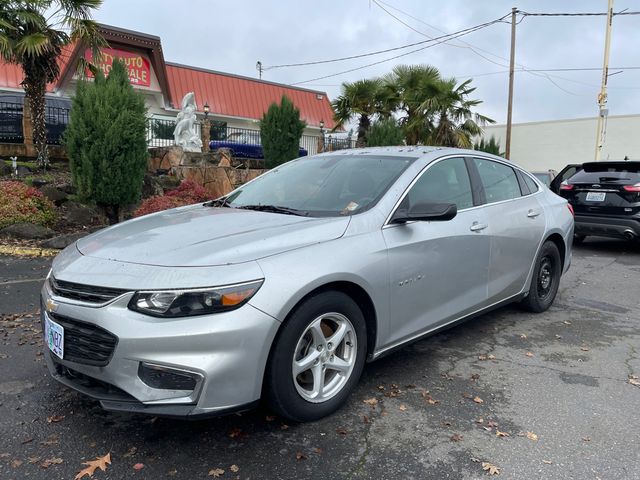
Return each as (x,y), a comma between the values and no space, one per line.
(283,289)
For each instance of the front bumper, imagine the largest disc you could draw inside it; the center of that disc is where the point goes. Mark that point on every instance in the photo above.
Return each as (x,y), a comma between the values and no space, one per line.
(225,353)
(606,226)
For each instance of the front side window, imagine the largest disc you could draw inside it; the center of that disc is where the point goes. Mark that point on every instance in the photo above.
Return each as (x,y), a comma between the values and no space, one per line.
(499,180)
(447,181)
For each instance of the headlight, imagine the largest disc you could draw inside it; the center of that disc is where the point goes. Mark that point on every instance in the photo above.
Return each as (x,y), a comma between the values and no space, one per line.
(200,301)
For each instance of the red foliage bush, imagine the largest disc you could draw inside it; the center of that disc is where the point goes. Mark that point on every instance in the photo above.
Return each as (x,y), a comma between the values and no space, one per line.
(21,203)
(187,193)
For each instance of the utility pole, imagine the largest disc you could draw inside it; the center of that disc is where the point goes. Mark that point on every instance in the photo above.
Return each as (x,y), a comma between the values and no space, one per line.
(512,59)
(259,68)
(602,96)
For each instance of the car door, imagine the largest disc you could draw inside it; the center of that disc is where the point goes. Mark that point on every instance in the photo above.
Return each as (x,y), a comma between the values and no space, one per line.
(438,269)
(565,173)
(516,223)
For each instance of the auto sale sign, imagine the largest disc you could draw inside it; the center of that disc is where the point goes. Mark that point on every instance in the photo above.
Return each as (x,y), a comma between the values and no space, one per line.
(137,65)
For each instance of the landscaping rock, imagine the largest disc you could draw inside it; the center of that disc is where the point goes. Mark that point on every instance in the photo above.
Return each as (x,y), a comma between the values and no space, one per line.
(27,231)
(5,169)
(23,171)
(67,188)
(54,194)
(78,214)
(39,182)
(168,182)
(63,241)
(151,187)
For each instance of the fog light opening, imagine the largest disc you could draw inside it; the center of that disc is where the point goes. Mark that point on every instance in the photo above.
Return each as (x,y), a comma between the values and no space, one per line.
(166,378)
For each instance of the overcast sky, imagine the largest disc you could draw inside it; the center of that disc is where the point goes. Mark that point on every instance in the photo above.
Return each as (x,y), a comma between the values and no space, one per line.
(231,36)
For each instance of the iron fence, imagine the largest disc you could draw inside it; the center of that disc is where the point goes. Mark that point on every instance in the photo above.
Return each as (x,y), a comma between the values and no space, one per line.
(56,121)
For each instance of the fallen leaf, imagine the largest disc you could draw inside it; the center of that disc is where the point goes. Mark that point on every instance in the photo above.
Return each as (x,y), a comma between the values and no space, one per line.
(482,357)
(216,472)
(341,431)
(403,407)
(490,468)
(50,461)
(586,439)
(234,468)
(567,322)
(172,472)
(633,380)
(478,400)
(365,419)
(284,426)
(558,336)
(529,354)
(270,418)
(317,450)
(475,376)
(27,440)
(456,437)
(138,466)
(548,462)
(300,456)
(584,348)
(523,336)
(371,401)
(55,418)
(33,460)
(446,423)
(501,434)
(15,463)
(532,436)
(491,357)
(235,432)
(491,423)
(480,420)
(51,440)
(99,462)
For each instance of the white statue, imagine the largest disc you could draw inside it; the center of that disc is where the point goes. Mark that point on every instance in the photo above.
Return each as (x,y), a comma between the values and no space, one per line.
(185,134)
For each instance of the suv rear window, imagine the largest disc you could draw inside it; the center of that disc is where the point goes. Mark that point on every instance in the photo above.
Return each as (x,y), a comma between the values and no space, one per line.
(601,172)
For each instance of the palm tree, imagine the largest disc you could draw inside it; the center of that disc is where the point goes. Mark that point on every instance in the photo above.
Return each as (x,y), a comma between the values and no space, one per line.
(455,122)
(362,99)
(32,35)
(489,146)
(413,87)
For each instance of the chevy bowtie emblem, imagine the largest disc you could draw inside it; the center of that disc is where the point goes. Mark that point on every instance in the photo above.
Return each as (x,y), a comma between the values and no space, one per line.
(51,306)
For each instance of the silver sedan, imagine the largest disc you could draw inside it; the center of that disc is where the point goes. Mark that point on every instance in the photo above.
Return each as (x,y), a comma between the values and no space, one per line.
(285,288)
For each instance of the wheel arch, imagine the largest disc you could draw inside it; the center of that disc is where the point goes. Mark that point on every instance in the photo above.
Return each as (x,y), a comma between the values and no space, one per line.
(562,248)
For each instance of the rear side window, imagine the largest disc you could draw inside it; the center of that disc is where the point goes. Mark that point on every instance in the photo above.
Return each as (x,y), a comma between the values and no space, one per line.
(499,180)
(531,185)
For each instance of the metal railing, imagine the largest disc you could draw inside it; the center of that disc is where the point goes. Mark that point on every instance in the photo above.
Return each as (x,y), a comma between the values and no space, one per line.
(56,121)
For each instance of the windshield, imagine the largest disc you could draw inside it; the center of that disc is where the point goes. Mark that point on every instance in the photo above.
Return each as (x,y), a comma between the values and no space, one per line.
(324,185)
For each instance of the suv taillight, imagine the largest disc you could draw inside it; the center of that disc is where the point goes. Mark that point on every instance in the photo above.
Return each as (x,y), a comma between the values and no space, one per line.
(566,186)
(632,188)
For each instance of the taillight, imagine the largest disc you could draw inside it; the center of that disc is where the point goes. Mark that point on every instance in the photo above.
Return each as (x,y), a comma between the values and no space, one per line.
(570,207)
(566,186)
(632,188)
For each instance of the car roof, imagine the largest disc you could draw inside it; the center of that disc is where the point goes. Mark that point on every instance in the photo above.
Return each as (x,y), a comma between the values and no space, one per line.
(419,151)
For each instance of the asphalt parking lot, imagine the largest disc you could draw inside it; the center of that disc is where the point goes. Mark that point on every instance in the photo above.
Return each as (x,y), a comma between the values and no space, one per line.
(554,395)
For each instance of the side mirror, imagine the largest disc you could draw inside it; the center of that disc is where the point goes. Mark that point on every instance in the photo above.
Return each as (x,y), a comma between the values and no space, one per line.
(426,212)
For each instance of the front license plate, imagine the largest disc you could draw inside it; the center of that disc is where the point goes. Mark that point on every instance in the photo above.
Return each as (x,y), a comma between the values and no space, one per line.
(595,196)
(54,336)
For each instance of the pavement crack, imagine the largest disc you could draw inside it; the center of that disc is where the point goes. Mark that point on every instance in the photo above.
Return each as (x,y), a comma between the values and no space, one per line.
(358,468)
(633,355)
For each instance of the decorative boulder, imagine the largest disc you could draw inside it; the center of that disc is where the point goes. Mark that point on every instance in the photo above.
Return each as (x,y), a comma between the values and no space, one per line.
(54,194)
(27,231)
(63,241)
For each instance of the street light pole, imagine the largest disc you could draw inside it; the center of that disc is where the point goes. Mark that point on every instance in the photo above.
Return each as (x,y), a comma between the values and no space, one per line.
(512,59)
(602,96)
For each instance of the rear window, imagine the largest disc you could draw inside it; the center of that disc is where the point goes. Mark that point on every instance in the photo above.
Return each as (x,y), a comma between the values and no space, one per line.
(602,172)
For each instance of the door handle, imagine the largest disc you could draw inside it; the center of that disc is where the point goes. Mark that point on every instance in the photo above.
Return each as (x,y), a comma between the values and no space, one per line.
(533,214)
(477,227)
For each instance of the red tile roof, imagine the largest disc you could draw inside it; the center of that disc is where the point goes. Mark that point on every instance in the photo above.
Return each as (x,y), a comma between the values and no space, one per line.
(244,97)
(226,94)
(11,75)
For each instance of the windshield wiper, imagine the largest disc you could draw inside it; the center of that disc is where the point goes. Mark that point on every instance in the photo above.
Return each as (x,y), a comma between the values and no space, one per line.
(275,209)
(218,202)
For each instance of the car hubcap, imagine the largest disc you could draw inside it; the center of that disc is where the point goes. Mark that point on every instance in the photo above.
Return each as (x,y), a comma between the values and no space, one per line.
(545,277)
(324,357)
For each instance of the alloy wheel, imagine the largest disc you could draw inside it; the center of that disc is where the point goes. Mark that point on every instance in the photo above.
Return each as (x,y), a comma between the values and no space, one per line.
(324,357)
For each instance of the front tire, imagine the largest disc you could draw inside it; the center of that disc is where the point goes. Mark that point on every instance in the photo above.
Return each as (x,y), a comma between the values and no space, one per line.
(317,358)
(546,279)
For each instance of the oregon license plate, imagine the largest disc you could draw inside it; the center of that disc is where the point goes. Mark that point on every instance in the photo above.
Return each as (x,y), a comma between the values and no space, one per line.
(595,196)
(54,336)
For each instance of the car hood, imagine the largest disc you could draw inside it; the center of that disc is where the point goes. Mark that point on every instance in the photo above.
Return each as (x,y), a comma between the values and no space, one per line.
(206,236)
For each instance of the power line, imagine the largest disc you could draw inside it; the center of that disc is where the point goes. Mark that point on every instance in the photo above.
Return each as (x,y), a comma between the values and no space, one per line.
(460,33)
(378,52)
(574,14)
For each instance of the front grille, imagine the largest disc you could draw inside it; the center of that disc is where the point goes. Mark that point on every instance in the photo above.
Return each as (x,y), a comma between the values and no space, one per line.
(86,343)
(84,293)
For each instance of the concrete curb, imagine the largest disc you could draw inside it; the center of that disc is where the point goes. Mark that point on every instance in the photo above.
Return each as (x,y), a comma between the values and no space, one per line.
(28,251)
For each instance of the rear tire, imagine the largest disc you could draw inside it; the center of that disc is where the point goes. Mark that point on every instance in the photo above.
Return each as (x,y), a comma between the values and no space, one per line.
(545,280)
(317,358)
